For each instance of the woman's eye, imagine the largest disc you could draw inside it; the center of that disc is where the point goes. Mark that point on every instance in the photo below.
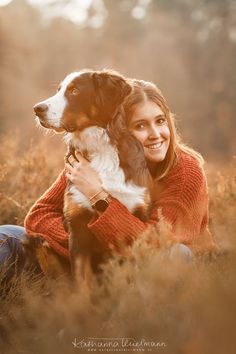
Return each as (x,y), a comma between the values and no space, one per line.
(161,120)
(74,91)
(140,126)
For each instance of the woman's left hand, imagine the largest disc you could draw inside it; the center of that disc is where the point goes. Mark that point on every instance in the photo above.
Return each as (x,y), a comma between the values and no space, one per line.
(83,176)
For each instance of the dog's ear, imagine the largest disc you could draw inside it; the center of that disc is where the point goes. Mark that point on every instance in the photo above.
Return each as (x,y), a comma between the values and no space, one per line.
(111,88)
(117,127)
(131,153)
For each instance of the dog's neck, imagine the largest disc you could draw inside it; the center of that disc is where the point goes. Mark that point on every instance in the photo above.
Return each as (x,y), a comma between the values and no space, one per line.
(88,141)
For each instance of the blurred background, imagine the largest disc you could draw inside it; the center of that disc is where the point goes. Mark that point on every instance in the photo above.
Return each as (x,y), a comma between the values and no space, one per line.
(186,47)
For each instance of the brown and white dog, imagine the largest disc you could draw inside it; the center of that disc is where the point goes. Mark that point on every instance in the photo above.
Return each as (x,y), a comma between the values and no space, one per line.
(88,108)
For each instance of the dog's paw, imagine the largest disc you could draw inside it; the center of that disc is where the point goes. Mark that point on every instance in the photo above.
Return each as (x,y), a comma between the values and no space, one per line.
(30,243)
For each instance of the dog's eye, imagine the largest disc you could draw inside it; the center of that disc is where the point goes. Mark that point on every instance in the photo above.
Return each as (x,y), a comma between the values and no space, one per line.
(74,91)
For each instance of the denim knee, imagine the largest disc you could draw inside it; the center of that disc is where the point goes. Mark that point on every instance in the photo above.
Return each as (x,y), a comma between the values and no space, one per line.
(10,243)
(12,255)
(181,252)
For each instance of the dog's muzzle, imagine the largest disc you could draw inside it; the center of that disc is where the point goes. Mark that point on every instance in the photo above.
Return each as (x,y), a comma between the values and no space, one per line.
(41,110)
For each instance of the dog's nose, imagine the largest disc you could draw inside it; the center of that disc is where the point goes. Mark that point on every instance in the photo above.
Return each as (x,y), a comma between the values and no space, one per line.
(40,108)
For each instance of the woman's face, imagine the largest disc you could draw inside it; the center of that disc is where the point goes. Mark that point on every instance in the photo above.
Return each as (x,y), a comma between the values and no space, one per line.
(149,125)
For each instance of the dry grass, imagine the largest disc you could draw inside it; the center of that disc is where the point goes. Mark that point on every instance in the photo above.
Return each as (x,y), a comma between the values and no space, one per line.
(189,308)
(25,173)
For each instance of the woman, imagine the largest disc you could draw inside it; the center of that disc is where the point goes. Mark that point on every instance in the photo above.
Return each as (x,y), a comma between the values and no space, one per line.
(181,200)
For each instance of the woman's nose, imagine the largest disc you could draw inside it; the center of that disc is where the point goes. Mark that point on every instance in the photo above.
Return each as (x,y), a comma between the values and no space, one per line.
(154,132)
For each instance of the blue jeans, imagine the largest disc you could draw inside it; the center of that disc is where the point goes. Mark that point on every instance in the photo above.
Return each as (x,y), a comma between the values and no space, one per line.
(12,256)
(181,252)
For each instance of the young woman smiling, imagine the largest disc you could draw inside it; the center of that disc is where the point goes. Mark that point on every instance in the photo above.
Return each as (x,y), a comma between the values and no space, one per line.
(177,172)
(182,197)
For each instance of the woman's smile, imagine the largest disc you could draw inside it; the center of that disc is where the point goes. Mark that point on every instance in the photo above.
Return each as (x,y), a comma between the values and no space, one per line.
(155,146)
(149,125)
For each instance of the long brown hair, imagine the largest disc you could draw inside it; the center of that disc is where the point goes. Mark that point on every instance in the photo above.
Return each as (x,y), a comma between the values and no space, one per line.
(143,91)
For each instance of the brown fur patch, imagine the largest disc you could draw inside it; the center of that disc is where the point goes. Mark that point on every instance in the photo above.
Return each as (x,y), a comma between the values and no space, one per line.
(78,122)
(71,209)
(51,264)
(93,111)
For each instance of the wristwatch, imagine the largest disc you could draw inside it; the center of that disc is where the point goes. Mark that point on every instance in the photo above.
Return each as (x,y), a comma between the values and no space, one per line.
(102,204)
(100,201)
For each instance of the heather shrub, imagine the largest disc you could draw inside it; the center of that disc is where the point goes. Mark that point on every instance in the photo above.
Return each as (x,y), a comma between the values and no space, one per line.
(25,173)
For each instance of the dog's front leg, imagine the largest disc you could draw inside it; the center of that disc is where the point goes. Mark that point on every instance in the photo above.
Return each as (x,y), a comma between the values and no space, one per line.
(80,238)
(80,246)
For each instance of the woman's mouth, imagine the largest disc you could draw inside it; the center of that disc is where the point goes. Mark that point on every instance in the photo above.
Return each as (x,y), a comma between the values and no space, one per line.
(155,146)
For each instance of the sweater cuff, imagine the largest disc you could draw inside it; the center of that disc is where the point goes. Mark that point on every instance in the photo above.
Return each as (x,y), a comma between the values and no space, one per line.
(104,219)
(116,227)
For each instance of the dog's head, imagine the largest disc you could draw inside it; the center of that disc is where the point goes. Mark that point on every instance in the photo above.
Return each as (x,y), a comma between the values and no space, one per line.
(83,99)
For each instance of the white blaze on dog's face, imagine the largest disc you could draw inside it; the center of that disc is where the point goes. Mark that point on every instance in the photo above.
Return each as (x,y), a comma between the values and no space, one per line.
(55,106)
(84,99)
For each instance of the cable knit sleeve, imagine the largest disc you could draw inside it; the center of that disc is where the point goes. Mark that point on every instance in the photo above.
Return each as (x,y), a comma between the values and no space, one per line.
(45,217)
(183,203)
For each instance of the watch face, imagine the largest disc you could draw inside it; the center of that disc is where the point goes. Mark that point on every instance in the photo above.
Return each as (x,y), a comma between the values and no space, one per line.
(101,205)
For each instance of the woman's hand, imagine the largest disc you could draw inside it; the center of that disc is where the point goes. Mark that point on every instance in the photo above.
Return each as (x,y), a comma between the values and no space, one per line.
(83,176)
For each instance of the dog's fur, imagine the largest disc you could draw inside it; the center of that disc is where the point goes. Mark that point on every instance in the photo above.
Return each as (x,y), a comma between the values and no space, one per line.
(88,107)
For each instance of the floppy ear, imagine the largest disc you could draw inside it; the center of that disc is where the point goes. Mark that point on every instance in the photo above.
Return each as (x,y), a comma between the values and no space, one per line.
(130,150)
(111,89)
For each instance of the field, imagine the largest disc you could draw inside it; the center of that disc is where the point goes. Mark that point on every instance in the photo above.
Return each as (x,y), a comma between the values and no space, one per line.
(146,304)
(166,307)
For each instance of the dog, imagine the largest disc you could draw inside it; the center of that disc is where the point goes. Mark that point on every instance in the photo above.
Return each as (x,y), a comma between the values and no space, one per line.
(87,107)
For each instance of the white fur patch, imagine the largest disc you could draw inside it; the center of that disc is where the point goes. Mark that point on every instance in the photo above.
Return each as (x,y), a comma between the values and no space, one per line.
(105,160)
(57,103)
(79,198)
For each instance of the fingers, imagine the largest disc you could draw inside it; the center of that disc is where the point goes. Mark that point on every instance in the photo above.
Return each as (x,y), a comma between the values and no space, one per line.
(69,176)
(73,162)
(70,172)
(74,165)
(69,168)
(79,157)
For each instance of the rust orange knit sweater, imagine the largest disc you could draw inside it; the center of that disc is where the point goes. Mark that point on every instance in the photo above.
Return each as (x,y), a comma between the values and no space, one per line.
(183,203)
